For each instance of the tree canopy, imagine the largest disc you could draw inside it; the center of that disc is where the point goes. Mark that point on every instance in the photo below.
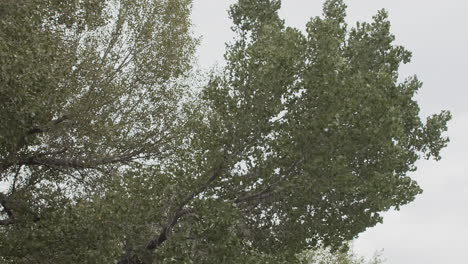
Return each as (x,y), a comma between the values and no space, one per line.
(110,153)
(343,256)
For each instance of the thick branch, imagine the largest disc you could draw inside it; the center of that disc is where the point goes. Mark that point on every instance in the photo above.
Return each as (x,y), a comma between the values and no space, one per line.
(163,236)
(153,244)
(4,165)
(36,129)
(255,196)
(12,209)
(180,211)
(7,222)
(75,163)
(4,202)
(271,189)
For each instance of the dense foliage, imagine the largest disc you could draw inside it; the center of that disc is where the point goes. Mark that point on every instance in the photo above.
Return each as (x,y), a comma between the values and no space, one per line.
(109,154)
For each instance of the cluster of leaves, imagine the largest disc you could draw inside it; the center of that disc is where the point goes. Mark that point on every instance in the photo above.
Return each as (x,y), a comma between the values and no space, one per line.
(109,156)
(344,256)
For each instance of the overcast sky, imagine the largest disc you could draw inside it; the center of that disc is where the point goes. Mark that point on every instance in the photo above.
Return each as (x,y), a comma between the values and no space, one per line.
(433,229)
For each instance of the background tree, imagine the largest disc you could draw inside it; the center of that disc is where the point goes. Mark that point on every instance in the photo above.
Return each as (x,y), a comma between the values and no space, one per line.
(302,140)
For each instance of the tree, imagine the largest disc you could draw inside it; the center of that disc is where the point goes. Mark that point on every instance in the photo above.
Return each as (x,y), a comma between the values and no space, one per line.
(109,153)
(344,256)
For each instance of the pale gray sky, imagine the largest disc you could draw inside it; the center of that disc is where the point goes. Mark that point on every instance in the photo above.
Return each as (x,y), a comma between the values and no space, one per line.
(433,229)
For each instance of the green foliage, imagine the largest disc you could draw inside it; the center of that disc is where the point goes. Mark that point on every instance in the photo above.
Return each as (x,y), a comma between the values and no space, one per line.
(326,256)
(109,153)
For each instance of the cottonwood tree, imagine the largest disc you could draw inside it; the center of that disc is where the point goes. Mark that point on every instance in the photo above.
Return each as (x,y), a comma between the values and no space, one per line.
(110,155)
(342,256)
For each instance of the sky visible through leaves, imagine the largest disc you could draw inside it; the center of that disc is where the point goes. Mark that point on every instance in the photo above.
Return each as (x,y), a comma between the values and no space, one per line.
(432,229)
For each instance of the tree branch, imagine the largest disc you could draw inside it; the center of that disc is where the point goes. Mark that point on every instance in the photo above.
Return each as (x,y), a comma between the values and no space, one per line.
(267,192)
(270,189)
(11,207)
(76,163)
(7,222)
(37,129)
(4,202)
(180,212)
